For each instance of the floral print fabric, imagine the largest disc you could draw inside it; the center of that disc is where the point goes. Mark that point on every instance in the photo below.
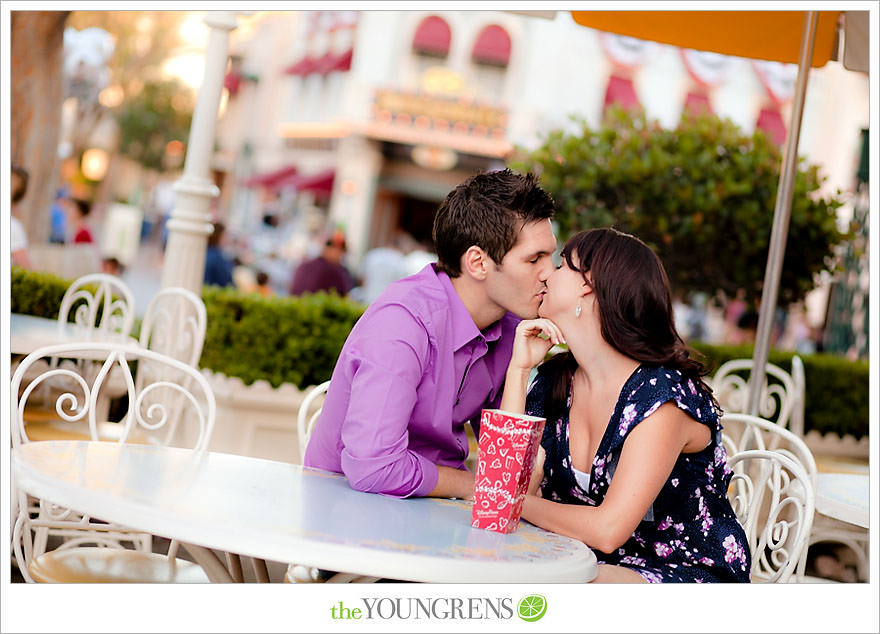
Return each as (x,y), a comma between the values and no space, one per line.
(690,533)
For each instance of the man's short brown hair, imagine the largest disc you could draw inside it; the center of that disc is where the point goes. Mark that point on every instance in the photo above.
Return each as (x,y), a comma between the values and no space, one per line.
(487,210)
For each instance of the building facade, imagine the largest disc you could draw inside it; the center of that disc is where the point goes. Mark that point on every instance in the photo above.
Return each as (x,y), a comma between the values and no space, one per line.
(365,120)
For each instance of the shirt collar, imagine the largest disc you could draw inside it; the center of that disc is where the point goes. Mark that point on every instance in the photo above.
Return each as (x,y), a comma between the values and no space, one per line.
(464,330)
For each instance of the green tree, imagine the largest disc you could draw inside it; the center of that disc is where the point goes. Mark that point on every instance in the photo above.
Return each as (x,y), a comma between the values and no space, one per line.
(152,118)
(701,194)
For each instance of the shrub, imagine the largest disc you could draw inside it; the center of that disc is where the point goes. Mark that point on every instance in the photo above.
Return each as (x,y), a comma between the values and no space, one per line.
(836,392)
(277,339)
(702,195)
(34,293)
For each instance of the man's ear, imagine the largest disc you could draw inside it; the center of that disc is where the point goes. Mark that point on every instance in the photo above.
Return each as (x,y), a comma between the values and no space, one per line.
(475,262)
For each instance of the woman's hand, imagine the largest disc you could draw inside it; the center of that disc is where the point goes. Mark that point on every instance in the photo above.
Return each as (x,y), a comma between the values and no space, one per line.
(534,338)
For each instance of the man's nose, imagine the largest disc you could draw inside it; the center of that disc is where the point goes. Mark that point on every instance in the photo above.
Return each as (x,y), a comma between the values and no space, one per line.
(546,271)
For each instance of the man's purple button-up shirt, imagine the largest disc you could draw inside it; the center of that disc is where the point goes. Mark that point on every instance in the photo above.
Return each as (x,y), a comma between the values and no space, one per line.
(413,370)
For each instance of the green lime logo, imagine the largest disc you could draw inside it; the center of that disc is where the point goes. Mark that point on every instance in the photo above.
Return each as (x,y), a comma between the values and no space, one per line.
(532,607)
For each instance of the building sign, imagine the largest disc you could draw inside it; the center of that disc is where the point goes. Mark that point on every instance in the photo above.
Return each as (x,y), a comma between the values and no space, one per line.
(422,111)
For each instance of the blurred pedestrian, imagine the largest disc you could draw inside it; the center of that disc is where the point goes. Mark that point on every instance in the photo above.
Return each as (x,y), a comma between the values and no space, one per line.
(218,267)
(263,287)
(58,217)
(18,242)
(325,272)
(382,265)
(112,266)
(78,211)
(418,256)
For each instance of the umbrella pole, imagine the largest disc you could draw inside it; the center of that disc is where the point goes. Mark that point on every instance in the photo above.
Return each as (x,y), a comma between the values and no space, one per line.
(781,215)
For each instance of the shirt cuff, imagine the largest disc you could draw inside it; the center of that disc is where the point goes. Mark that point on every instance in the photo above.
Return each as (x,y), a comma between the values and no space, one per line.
(430,477)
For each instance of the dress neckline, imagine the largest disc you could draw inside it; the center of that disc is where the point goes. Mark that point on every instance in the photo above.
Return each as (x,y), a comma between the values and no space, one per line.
(614,414)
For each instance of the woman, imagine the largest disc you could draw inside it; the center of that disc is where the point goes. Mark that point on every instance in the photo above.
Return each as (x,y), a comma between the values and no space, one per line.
(632,460)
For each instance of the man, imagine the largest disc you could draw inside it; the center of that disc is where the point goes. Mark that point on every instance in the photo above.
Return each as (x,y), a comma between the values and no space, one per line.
(432,351)
(218,267)
(325,272)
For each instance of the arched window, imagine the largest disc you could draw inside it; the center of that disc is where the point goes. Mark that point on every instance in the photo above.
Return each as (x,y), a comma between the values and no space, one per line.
(697,103)
(492,46)
(770,121)
(620,91)
(432,37)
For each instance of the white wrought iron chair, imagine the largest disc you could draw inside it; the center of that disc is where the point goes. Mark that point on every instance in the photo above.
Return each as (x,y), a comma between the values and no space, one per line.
(102,308)
(799,378)
(93,550)
(742,432)
(772,497)
(307,416)
(107,310)
(174,324)
(778,398)
(828,529)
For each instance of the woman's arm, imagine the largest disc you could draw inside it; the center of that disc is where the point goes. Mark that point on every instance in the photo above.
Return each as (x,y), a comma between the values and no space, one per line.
(647,459)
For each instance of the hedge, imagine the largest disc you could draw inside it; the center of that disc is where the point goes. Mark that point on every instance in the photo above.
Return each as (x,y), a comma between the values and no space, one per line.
(837,395)
(297,340)
(278,339)
(37,294)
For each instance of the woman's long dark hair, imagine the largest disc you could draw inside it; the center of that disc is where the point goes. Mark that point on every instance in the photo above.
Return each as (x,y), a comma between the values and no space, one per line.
(635,307)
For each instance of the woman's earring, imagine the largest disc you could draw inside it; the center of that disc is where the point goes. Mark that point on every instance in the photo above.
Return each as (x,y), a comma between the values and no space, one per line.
(577,310)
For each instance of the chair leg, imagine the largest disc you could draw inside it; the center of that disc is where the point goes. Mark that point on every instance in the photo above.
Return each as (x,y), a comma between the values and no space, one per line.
(21,548)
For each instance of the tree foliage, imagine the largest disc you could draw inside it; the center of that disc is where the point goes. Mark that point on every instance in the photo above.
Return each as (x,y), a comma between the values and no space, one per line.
(150,119)
(154,109)
(702,195)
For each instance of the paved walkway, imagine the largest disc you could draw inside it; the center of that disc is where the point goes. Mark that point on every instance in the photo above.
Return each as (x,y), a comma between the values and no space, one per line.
(144,275)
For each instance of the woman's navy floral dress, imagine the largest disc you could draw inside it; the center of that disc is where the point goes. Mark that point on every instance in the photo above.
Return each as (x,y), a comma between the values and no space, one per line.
(690,533)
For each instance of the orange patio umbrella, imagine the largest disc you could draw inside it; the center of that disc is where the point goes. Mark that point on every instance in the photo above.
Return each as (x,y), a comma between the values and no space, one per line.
(808,38)
(769,35)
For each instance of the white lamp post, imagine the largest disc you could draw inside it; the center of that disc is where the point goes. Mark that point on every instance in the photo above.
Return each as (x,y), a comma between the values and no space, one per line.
(190,221)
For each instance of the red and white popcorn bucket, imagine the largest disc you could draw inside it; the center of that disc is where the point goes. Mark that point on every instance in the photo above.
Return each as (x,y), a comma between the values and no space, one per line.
(507,449)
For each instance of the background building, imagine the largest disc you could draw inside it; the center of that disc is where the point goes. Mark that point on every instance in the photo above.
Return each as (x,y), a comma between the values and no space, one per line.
(365,120)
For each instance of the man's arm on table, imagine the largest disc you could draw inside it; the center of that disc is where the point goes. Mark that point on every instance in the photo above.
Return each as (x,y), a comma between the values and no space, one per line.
(387,365)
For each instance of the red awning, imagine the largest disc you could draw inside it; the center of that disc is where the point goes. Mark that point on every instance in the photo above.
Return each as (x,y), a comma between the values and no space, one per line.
(432,37)
(320,183)
(492,46)
(331,63)
(697,103)
(269,179)
(770,121)
(302,68)
(621,91)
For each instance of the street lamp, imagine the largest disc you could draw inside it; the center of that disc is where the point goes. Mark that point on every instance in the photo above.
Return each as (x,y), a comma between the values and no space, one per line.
(190,222)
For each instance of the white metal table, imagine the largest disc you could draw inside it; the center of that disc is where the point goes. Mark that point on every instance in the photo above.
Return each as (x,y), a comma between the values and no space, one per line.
(27,333)
(843,496)
(284,512)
